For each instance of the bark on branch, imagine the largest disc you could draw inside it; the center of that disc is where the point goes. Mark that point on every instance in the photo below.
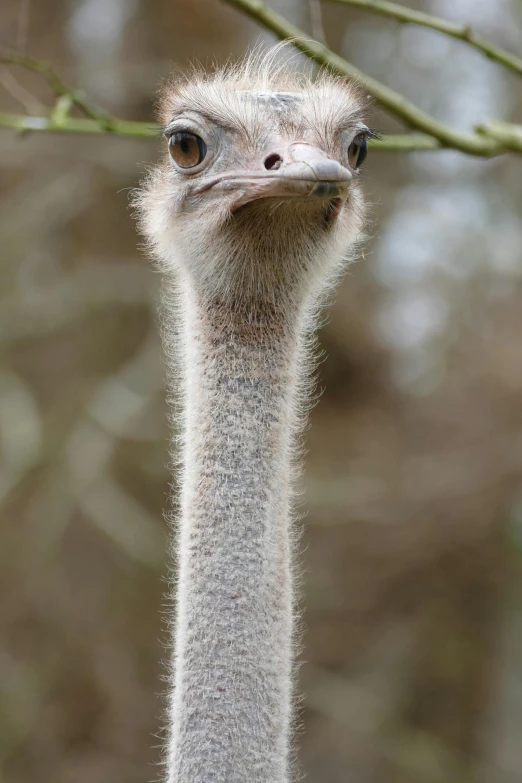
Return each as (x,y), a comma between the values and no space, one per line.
(463,32)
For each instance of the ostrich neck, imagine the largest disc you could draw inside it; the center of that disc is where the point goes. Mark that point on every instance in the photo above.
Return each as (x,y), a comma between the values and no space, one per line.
(231,703)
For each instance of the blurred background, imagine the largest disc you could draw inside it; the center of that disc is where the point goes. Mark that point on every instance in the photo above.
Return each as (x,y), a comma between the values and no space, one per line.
(413,532)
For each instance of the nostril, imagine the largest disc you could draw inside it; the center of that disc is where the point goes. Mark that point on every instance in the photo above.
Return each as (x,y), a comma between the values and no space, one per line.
(273,162)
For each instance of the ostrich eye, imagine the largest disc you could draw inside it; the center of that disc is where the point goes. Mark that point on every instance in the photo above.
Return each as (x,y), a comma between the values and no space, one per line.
(357,151)
(187,149)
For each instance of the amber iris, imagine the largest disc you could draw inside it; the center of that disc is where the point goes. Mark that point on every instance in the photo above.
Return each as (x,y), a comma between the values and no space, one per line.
(187,149)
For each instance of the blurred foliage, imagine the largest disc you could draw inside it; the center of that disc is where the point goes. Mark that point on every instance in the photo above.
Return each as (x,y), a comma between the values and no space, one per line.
(413,534)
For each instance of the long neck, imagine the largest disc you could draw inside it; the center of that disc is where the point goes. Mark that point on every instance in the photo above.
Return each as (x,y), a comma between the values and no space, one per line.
(230,717)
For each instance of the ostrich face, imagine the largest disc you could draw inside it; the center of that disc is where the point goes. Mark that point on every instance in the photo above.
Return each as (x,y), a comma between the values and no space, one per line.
(257,166)
(285,157)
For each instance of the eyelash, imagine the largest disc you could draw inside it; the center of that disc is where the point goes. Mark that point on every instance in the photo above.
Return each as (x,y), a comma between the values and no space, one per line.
(170,130)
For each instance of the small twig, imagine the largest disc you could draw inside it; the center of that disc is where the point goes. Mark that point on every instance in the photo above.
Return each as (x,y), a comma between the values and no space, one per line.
(394,102)
(461,31)
(142,130)
(57,85)
(128,128)
(61,111)
(405,142)
(505,133)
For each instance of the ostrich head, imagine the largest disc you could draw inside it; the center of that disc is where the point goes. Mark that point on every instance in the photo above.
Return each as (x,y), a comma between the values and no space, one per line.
(258,194)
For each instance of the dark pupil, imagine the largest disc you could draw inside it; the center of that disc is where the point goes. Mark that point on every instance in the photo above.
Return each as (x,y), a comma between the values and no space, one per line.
(361,146)
(185,144)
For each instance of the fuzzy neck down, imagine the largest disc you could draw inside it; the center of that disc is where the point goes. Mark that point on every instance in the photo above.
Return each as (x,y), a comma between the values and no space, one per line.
(231,706)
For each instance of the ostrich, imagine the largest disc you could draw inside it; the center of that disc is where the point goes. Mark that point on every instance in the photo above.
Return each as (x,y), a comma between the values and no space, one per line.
(252,215)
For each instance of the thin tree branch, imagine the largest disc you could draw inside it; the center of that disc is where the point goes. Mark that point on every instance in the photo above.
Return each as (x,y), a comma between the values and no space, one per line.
(505,133)
(58,121)
(407,142)
(57,85)
(461,31)
(394,102)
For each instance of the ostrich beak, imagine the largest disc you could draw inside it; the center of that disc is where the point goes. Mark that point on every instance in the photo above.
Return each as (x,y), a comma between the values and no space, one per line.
(299,171)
